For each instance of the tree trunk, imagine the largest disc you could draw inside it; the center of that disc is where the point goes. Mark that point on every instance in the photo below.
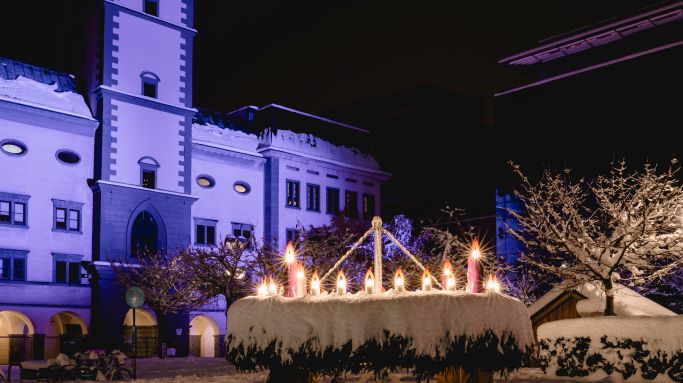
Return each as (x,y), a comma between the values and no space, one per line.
(609,297)
(162,330)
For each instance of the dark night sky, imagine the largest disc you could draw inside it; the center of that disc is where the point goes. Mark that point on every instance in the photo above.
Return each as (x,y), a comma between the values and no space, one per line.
(317,55)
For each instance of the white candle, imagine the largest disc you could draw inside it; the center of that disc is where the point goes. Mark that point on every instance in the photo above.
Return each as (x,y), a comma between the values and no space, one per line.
(450,283)
(492,284)
(369,282)
(272,287)
(399,281)
(426,281)
(341,283)
(315,285)
(446,273)
(262,289)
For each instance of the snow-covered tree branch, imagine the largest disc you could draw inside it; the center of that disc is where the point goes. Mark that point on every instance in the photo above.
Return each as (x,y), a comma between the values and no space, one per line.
(626,225)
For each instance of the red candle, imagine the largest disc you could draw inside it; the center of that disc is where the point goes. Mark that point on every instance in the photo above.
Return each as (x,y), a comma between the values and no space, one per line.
(473,265)
(292,268)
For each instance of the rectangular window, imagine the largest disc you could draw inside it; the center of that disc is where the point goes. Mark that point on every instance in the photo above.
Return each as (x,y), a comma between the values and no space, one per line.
(351,204)
(149,178)
(241,232)
(368,206)
(74,220)
(13,209)
(313,197)
(201,234)
(205,231)
(290,236)
(13,265)
(4,268)
(67,268)
(19,213)
(292,194)
(332,201)
(60,220)
(152,7)
(19,269)
(149,89)
(67,216)
(5,211)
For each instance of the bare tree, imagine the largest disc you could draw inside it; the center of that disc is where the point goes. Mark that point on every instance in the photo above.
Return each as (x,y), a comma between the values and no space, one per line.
(625,225)
(227,271)
(166,283)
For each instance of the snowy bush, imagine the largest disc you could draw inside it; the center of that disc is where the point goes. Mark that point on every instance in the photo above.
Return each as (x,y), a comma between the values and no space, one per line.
(637,348)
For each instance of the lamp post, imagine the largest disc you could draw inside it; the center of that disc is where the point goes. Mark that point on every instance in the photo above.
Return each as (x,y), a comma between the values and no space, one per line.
(135,298)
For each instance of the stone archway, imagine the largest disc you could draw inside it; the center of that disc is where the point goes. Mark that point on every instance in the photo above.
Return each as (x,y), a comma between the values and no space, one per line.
(16,337)
(203,332)
(64,334)
(146,330)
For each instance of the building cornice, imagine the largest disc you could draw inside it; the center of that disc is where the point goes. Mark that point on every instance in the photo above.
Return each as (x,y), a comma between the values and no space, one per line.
(341,164)
(594,37)
(151,18)
(29,113)
(160,191)
(144,100)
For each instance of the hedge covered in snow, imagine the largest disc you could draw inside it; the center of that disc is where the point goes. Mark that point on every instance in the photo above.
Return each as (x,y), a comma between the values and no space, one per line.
(424,332)
(636,348)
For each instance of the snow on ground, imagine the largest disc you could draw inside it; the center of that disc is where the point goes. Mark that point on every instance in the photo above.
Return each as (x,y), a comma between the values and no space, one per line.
(26,91)
(425,317)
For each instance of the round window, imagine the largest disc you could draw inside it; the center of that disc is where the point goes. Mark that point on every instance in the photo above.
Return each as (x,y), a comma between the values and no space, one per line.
(206,181)
(68,157)
(13,147)
(241,187)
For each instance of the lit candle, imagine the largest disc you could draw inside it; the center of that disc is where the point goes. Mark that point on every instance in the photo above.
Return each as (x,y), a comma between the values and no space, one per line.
(341,283)
(492,284)
(272,287)
(473,283)
(450,283)
(262,290)
(300,280)
(315,284)
(426,281)
(290,261)
(399,281)
(447,275)
(369,282)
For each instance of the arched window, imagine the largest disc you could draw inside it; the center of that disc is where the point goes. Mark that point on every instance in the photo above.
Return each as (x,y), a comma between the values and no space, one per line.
(150,82)
(148,172)
(144,236)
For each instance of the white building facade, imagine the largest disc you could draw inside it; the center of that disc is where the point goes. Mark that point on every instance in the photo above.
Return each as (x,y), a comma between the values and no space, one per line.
(130,165)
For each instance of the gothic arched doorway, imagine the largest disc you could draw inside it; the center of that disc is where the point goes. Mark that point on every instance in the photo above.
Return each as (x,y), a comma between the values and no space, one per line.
(144,236)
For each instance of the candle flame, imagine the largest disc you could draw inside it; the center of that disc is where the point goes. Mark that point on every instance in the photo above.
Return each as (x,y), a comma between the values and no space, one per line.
(426,280)
(369,278)
(476,252)
(289,253)
(341,283)
(447,268)
(262,289)
(399,280)
(272,286)
(300,272)
(492,284)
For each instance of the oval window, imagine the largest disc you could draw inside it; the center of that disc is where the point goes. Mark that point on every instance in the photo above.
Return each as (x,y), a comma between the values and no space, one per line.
(68,157)
(13,147)
(241,187)
(205,181)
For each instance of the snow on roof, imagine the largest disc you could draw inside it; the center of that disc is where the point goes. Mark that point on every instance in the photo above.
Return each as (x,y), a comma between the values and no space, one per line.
(225,138)
(626,301)
(26,91)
